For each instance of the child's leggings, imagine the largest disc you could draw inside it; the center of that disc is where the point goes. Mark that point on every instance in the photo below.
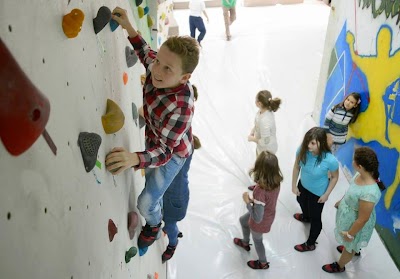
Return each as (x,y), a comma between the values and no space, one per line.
(257,237)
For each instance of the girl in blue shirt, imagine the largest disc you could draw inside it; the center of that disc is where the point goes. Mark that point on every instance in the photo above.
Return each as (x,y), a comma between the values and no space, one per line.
(314,161)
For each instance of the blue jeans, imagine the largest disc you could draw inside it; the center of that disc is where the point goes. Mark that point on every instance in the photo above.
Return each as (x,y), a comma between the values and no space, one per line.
(176,200)
(197,22)
(157,182)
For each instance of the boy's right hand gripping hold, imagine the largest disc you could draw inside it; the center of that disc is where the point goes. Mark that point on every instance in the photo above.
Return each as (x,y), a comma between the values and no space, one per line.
(120,15)
(119,160)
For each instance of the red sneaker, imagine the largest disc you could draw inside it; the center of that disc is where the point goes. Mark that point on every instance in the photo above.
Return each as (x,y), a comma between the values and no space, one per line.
(239,242)
(148,235)
(304,247)
(333,268)
(168,253)
(300,217)
(341,247)
(257,265)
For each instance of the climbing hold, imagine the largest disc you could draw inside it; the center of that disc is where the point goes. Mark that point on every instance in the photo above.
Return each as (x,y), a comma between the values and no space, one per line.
(155,275)
(135,114)
(140,12)
(163,15)
(133,220)
(146,10)
(142,79)
(114,118)
(103,17)
(112,230)
(143,250)
(130,254)
(166,21)
(150,21)
(131,57)
(24,110)
(113,23)
(72,23)
(180,234)
(142,122)
(125,78)
(89,144)
(138,2)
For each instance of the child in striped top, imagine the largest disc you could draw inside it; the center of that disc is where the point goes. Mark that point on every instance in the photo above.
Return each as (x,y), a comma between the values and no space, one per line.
(339,117)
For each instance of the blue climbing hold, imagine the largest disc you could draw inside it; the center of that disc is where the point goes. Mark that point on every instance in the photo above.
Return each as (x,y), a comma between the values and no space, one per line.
(143,250)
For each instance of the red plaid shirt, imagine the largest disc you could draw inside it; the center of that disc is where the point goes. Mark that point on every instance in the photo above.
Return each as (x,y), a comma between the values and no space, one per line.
(168,113)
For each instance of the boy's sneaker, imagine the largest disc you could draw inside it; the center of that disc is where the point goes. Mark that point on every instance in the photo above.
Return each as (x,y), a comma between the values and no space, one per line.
(257,265)
(333,268)
(251,188)
(304,247)
(300,217)
(239,242)
(168,253)
(148,235)
(341,247)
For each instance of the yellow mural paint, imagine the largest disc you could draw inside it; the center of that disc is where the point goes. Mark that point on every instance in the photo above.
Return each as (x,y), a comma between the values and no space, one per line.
(381,70)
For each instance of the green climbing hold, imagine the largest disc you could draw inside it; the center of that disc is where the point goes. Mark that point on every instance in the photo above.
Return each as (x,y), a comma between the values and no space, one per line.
(130,254)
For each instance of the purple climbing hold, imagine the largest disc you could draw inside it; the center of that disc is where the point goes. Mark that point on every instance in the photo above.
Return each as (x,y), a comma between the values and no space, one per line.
(103,17)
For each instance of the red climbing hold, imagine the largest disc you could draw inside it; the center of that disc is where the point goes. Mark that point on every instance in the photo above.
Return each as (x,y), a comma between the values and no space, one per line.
(24,110)
(125,78)
(112,229)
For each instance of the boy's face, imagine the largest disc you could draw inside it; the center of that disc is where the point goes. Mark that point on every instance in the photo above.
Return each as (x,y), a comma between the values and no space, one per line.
(166,71)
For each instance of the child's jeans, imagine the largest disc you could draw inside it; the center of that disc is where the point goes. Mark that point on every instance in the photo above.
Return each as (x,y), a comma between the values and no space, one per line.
(257,237)
(157,182)
(176,200)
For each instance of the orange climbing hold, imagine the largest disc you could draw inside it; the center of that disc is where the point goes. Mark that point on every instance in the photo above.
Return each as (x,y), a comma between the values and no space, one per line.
(112,230)
(114,118)
(125,78)
(72,23)
(24,110)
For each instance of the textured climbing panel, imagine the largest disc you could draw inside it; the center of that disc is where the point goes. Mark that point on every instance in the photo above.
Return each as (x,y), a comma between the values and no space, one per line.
(103,17)
(24,110)
(89,144)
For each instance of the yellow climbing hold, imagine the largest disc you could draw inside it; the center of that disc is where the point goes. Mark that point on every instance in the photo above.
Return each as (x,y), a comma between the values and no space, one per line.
(140,12)
(114,118)
(150,21)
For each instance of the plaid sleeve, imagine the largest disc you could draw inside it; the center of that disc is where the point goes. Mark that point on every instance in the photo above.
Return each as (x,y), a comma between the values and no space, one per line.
(143,50)
(176,125)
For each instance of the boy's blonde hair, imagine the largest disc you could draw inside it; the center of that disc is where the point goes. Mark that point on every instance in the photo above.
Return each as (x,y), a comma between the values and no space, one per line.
(187,49)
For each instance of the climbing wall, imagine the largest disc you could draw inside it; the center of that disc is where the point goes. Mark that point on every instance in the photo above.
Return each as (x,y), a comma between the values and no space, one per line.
(67,97)
(362,55)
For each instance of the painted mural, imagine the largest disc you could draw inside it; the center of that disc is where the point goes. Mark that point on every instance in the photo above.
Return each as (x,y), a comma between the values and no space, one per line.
(376,76)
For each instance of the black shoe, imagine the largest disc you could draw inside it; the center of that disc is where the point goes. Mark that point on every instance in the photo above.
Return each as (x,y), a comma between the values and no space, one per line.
(340,250)
(168,253)
(148,235)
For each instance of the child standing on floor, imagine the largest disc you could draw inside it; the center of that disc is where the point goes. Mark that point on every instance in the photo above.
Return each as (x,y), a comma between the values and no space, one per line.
(356,217)
(197,7)
(258,220)
(339,117)
(264,130)
(168,106)
(229,11)
(314,161)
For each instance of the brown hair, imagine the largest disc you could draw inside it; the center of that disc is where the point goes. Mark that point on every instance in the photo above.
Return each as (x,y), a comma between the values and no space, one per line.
(265,98)
(356,110)
(318,134)
(366,157)
(187,49)
(266,172)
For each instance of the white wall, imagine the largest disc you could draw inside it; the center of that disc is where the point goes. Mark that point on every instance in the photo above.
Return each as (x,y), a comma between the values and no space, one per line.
(70,239)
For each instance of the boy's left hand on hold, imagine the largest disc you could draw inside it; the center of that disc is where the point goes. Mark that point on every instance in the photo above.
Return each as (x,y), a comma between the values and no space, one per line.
(118,160)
